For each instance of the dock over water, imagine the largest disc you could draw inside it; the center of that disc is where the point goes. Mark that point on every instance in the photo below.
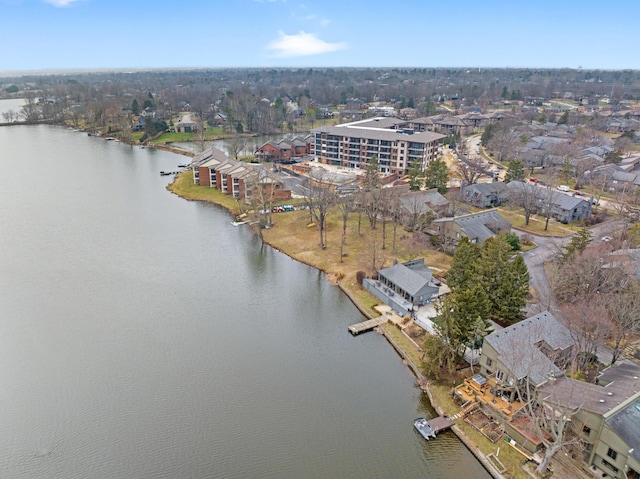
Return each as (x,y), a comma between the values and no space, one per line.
(368,325)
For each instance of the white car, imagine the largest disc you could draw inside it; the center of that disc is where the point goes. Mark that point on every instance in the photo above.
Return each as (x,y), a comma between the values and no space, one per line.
(606,239)
(563,188)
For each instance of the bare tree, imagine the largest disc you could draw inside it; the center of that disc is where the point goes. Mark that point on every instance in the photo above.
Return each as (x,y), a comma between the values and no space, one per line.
(624,313)
(524,195)
(235,146)
(549,416)
(593,272)
(345,206)
(470,172)
(589,325)
(319,199)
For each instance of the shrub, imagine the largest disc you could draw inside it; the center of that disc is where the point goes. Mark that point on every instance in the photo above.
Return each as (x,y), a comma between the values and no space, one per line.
(360,275)
(513,240)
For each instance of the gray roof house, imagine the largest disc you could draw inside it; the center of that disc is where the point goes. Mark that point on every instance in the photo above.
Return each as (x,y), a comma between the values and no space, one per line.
(404,285)
(565,208)
(478,227)
(536,348)
(485,194)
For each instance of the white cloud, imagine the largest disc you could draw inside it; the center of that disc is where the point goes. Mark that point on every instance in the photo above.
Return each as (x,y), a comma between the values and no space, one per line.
(60,3)
(302,44)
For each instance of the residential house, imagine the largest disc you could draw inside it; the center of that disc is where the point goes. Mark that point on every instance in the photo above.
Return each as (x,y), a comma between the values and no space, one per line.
(284,150)
(404,286)
(478,227)
(187,124)
(606,418)
(414,204)
(485,194)
(565,208)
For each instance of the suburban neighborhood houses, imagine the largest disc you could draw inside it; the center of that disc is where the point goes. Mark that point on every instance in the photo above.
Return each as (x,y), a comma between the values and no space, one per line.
(498,228)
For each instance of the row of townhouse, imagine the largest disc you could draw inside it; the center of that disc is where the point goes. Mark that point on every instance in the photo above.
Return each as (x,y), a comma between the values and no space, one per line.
(566,208)
(530,358)
(241,180)
(353,144)
(285,150)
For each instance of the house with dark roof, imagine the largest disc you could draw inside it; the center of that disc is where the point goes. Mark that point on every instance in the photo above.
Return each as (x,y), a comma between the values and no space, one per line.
(533,349)
(284,150)
(478,227)
(565,208)
(486,195)
(404,286)
(607,418)
(414,204)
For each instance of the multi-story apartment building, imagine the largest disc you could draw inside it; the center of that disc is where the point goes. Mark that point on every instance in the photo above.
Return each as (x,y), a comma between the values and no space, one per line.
(353,144)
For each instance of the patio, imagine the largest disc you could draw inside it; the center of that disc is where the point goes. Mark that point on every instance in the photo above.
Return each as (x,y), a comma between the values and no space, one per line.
(487,391)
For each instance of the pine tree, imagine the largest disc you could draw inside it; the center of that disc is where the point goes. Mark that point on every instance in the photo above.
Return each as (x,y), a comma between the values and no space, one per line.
(460,275)
(506,282)
(415,182)
(437,176)
(515,171)
(513,291)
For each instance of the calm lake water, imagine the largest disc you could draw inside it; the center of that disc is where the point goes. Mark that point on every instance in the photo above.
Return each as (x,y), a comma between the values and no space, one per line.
(251,144)
(143,336)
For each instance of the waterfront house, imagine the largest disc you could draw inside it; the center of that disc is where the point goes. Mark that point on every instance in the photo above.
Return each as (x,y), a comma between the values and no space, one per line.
(404,286)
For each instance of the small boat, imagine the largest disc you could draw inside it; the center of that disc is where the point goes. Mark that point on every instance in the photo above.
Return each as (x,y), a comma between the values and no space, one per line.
(183,165)
(422,426)
(238,223)
(166,173)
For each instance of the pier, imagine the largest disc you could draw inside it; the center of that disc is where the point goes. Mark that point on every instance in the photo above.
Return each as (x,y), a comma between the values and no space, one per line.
(368,325)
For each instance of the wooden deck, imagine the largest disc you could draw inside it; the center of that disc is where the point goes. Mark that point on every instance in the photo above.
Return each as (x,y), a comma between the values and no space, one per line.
(441,423)
(470,391)
(368,325)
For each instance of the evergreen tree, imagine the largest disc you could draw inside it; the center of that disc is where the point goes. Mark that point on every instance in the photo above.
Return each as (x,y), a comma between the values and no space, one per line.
(487,134)
(371,176)
(437,176)
(515,171)
(135,108)
(564,119)
(506,281)
(415,173)
(460,274)
(577,245)
(513,292)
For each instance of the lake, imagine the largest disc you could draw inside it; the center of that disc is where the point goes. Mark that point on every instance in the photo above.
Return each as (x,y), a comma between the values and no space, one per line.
(143,336)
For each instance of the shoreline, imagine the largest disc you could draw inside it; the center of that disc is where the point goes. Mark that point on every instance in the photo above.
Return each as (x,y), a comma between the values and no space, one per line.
(421,380)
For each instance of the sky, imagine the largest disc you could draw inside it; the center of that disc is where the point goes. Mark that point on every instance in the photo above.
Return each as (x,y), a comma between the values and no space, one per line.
(123,34)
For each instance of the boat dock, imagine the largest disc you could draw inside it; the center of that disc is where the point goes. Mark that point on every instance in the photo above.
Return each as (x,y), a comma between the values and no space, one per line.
(368,325)
(429,428)
(441,423)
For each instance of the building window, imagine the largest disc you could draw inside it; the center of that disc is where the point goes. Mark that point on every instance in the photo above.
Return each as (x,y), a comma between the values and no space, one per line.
(586,430)
(489,362)
(612,454)
(610,466)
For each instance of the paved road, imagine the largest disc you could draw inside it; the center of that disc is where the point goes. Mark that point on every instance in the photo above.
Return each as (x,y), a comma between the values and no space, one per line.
(547,247)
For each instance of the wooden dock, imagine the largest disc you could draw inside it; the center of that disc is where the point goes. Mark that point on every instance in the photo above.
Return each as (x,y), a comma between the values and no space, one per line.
(368,325)
(441,423)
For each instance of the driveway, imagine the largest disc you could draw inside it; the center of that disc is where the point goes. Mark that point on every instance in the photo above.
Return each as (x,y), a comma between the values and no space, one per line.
(549,246)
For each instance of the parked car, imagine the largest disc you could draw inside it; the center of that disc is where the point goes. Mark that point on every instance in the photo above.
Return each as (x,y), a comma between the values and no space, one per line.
(533,180)
(579,193)
(563,188)
(606,239)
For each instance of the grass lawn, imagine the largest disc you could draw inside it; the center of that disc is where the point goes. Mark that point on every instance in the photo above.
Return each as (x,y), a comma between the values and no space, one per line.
(184,186)
(536,226)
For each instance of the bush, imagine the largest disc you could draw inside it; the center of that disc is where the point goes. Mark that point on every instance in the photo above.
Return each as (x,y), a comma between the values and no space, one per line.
(514,241)
(360,275)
